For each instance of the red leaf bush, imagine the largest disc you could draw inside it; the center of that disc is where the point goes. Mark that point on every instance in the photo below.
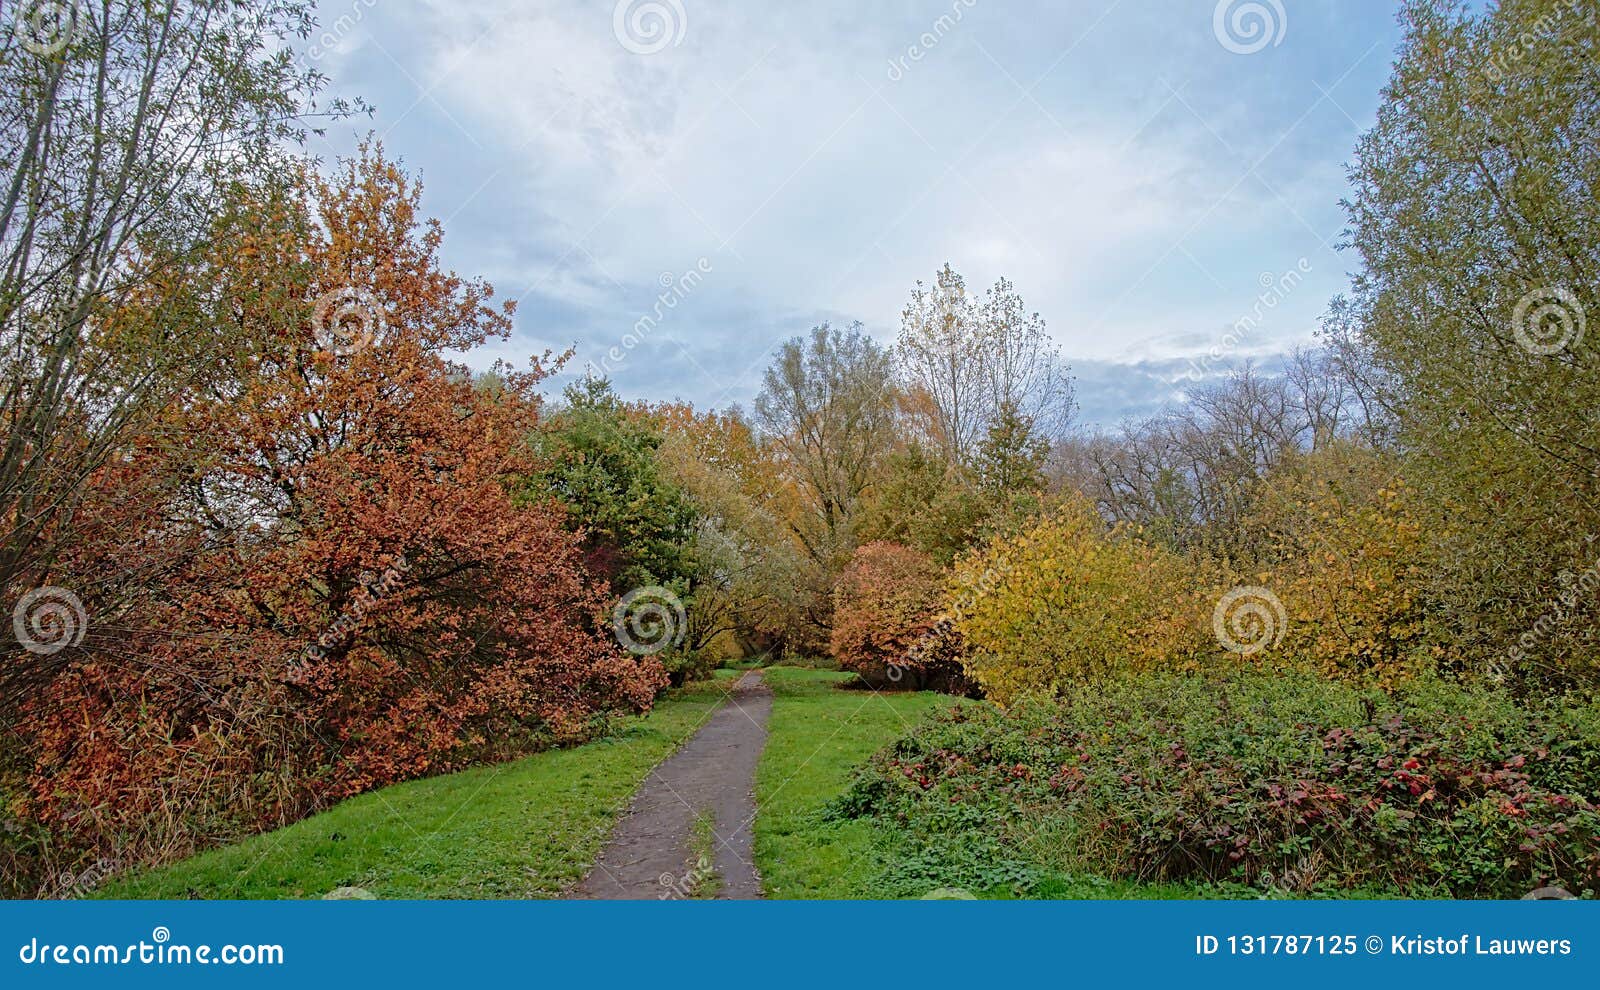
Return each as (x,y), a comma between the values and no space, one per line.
(887,626)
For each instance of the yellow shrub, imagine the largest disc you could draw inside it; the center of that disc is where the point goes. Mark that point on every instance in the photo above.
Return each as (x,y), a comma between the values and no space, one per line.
(1340,546)
(1066,601)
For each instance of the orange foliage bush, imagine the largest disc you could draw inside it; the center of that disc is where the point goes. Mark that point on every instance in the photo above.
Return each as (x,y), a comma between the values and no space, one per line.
(886,620)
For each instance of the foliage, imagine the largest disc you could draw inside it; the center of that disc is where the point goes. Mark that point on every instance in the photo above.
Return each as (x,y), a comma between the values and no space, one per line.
(1065,600)
(533,830)
(941,508)
(885,621)
(685,666)
(601,461)
(1337,539)
(1011,457)
(826,412)
(924,502)
(742,554)
(1288,783)
(826,407)
(115,151)
(1189,476)
(1474,210)
(978,360)
(341,591)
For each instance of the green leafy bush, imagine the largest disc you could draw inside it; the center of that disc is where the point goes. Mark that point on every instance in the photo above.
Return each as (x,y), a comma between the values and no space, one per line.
(684,666)
(1289,784)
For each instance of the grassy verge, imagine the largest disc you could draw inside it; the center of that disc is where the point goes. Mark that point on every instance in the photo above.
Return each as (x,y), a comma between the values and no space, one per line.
(819,735)
(528,828)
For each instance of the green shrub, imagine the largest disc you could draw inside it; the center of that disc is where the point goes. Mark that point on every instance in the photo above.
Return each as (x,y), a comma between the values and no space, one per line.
(1289,784)
(683,666)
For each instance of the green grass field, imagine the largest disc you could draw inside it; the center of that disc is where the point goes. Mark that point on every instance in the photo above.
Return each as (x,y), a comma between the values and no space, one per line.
(528,828)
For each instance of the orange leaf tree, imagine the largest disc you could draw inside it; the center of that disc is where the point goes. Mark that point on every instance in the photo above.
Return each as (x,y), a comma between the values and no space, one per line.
(348,594)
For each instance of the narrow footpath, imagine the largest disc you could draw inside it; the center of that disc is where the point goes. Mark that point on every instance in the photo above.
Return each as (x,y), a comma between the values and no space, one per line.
(657,851)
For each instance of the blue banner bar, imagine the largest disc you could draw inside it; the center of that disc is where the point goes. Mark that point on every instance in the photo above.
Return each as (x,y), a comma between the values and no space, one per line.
(713,944)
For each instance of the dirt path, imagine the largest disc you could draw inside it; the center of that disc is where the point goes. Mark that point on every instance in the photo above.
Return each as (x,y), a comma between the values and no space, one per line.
(655,850)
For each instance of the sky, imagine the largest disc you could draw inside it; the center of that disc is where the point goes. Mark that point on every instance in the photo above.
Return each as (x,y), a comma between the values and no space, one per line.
(675,187)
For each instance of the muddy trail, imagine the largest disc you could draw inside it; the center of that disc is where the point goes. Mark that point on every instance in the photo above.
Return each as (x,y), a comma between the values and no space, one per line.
(688,831)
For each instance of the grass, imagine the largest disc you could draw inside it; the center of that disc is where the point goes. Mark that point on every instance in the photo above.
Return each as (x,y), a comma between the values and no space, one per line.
(533,827)
(529,828)
(707,881)
(819,734)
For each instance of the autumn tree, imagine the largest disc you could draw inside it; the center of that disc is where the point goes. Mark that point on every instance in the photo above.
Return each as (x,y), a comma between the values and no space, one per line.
(1475,215)
(886,628)
(939,354)
(1190,475)
(924,502)
(826,406)
(977,359)
(348,594)
(1012,457)
(121,125)
(1069,599)
(826,412)
(745,557)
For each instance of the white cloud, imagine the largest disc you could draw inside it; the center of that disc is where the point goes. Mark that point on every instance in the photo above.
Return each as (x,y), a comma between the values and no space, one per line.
(772,141)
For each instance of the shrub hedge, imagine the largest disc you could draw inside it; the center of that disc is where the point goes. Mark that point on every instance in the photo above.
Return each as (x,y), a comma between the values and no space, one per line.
(1064,601)
(1287,783)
